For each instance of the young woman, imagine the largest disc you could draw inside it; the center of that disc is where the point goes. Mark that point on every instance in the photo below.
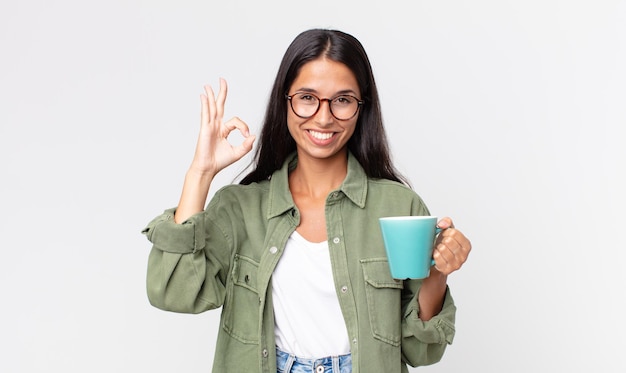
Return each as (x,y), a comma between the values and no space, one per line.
(293,254)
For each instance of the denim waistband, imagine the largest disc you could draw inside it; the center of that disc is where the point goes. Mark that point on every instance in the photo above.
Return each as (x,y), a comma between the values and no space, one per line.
(289,363)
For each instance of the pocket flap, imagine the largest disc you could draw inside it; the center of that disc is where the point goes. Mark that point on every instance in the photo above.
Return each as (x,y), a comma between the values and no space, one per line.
(245,272)
(376,273)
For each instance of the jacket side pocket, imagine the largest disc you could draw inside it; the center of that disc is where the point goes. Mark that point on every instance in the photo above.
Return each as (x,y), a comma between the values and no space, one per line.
(383,300)
(241,308)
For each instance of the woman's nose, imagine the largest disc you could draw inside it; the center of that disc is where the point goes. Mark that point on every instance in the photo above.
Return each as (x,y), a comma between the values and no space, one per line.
(324,116)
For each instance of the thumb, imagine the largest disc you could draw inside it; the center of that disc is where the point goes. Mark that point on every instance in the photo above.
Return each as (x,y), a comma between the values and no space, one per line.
(445,222)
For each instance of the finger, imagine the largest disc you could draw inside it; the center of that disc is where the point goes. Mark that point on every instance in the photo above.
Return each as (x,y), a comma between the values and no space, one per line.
(459,249)
(456,240)
(446,232)
(446,261)
(221,99)
(211,102)
(445,222)
(442,255)
(204,110)
(237,123)
(464,241)
(245,147)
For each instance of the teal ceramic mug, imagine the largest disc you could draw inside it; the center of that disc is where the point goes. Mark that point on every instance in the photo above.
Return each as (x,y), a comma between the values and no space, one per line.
(409,242)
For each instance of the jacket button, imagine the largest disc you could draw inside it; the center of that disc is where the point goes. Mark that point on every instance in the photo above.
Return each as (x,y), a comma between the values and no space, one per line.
(336,240)
(344,289)
(273,249)
(265,353)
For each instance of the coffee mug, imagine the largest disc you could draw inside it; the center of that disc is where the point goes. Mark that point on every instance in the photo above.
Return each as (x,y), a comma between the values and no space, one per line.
(409,242)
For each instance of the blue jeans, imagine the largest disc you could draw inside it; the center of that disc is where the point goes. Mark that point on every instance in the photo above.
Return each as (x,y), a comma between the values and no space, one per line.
(287,363)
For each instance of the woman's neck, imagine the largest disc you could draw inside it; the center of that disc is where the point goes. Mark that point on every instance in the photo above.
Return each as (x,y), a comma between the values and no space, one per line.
(315,177)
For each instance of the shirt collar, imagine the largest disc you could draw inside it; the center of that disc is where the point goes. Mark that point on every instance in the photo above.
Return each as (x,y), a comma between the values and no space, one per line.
(354,186)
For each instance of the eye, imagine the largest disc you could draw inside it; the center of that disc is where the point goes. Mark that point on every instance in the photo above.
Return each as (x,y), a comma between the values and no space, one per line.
(306,98)
(344,100)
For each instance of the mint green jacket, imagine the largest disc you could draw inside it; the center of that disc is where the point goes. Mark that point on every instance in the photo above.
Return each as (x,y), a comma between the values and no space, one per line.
(225,256)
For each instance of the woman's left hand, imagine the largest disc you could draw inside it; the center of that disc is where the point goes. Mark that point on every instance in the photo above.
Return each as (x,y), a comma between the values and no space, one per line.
(451,247)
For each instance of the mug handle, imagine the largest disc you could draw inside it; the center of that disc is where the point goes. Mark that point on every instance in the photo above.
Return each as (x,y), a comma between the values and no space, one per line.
(437,231)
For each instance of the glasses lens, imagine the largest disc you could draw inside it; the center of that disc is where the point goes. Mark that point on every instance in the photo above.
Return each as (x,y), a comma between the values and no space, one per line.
(344,107)
(304,104)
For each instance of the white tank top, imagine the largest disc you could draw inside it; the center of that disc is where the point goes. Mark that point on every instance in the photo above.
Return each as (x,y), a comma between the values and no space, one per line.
(309,322)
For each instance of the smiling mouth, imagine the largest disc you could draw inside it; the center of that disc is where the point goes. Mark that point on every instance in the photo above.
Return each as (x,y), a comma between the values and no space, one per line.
(321,135)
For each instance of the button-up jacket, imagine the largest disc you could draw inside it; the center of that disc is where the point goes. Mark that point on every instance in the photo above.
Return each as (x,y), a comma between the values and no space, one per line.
(225,256)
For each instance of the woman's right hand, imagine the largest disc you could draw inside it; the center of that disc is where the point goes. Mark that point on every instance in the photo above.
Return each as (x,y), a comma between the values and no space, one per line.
(213,151)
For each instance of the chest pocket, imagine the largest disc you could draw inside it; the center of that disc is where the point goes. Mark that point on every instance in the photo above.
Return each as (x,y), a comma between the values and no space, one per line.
(383,300)
(241,307)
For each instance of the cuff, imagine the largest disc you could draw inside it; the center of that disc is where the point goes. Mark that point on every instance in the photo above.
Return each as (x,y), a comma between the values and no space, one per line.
(438,330)
(168,236)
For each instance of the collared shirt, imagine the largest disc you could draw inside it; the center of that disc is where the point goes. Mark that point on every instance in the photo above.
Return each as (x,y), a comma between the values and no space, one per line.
(225,256)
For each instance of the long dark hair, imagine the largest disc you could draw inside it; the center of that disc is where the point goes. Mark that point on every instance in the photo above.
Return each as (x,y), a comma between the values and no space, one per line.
(368,143)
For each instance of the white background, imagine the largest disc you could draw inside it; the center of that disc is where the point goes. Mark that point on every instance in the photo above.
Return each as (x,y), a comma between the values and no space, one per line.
(509,116)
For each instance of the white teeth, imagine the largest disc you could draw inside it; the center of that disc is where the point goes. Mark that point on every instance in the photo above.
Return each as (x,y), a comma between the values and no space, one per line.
(321,135)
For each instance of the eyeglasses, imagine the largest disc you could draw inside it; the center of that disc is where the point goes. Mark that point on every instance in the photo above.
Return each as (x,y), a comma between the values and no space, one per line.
(305,105)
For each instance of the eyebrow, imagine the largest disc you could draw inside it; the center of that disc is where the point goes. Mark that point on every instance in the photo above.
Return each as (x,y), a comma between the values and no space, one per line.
(339,93)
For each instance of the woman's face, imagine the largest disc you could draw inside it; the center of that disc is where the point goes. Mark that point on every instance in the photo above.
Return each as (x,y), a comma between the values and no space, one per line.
(322,136)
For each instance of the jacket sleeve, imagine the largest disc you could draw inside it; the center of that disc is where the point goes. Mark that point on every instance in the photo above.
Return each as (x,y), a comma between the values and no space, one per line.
(424,342)
(183,274)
